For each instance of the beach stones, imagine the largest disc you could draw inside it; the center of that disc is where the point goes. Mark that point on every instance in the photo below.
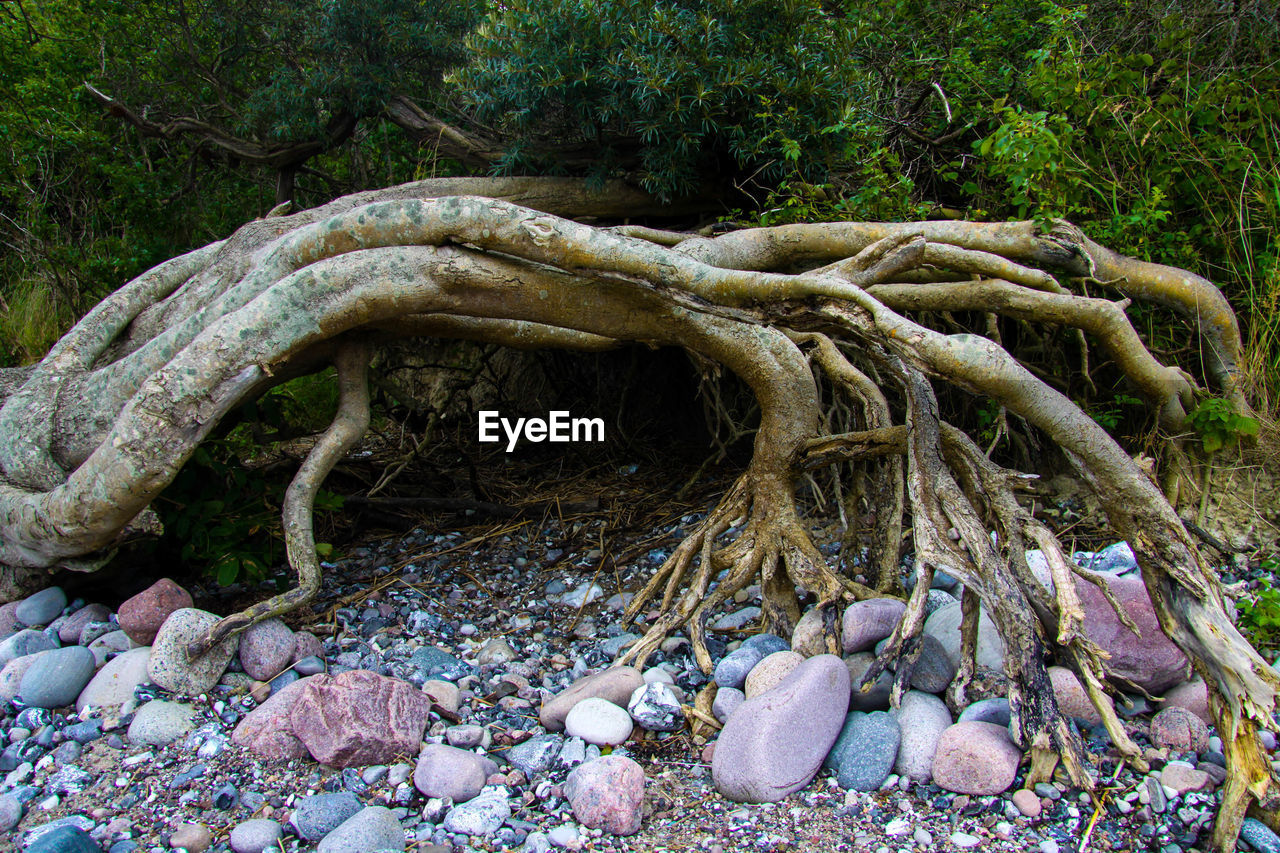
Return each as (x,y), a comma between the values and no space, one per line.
(445,771)
(770,671)
(56,677)
(358,718)
(775,742)
(1179,729)
(1151,660)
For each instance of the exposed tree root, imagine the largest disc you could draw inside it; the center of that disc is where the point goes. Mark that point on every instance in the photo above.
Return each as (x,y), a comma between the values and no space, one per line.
(91,435)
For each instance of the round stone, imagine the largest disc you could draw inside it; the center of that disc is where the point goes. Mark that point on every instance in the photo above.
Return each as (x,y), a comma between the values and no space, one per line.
(733,668)
(191,837)
(922,718)
(141,616)
(158,722)
(319,814)
(1027,803)
(615,684)
(42,607)
(864,752)
(726,702)
(868,622)
(934,669)
(255,835)
(446,771)
(1177,728)
(56,677)
(598,721)
(607,793)
(373,828)
(266,649)
(976,758)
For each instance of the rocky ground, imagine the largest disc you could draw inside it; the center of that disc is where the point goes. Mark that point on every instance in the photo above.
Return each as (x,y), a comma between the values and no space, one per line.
(424,704)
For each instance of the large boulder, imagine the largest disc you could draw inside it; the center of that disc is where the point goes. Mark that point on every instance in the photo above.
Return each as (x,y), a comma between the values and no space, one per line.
(1151,660)
(775,742)
(358,718)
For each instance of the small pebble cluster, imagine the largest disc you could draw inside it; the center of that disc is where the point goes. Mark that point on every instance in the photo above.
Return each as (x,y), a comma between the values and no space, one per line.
(466,702)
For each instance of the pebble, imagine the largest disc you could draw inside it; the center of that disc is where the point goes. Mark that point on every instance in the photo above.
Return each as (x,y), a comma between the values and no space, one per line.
(56,677)
(266,649)
(733,668)
(192,837)
(142,615)
(615,684)
(41,607)
(114,684)
(737,620)
(654,707)
(770,672)
(1027,803)
(373,828)
(1179,729)
(599,721)
(481,815)
(976,758)
(726,701)
(27,641)
(255,835)
(865,750)
(867,622)
(317,815)
(922,718)
(446,771)
(159,722)
(539,753)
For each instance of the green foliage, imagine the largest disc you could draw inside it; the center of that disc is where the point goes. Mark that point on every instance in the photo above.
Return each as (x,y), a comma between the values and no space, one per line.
(1219,424)
(1260,610)
(689,90)
(1111,413)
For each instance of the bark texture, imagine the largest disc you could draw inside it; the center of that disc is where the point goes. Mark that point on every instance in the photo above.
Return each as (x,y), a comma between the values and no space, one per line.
(827,324)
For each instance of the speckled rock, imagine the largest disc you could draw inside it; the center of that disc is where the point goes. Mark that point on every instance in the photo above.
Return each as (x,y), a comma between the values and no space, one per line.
(976,758)
(266,649)
(1182,777)
(994,710)
(306,645)
(317,815)
(25,642)
(1151,661)
(481,815)
(732,669)
(141,616)
(373,828)
(1072,698)
(56,677)
(359,717)
(1179,729)
(876,697)
(191,837)
(607,793)
(922,718)
(536,755)
(769,672)
(173,669)
(267,730)
(158,722)
(1028,803)
(8,619)
(654,707)
(934,669)
(443,693)
(112,643)
(775,742)
(864,752)
(868,622)
(42,607)
(113,685)
(446,771)
(615,684)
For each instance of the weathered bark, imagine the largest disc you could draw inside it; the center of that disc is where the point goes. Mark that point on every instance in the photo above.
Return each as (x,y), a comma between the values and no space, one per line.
(93,433)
